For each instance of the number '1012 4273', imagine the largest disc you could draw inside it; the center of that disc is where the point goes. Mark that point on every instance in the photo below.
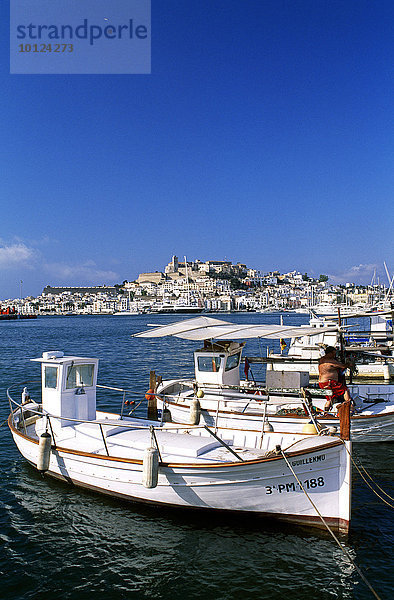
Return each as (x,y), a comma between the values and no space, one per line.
(56,48)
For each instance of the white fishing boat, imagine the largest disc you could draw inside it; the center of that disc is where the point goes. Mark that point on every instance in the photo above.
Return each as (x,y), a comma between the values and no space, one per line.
(281,404)
(372,350)
(62,434)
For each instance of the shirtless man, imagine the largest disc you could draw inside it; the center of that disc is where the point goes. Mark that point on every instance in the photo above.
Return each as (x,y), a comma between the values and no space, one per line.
(329,371)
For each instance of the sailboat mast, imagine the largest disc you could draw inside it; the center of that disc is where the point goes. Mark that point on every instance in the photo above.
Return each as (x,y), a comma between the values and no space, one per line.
(187,282)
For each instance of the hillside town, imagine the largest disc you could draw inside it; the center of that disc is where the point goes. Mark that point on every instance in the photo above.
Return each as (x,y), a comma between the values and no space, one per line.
(196,286)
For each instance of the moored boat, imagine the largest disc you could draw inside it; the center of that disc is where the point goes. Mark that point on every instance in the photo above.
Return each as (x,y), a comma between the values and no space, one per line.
(371,350)
(65,436)
(11,314)
(283,405)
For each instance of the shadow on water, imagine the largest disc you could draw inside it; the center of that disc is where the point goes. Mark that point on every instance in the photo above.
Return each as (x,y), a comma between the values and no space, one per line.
(78,542)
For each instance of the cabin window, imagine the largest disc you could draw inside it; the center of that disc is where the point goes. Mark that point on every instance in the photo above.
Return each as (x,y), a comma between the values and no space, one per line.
(233,361)
(51,377)
(79,375)
(209,364)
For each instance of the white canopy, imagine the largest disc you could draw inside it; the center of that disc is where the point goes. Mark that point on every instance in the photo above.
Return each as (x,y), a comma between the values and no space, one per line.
(205,328)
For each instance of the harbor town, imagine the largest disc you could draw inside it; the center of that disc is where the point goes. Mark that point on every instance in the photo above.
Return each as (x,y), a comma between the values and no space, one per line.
(209,286)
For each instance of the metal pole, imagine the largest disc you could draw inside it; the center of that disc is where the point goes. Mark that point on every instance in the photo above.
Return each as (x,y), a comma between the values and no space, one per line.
(11,410)
(217,416)
(162,410)
(152,431)
(102,434)
(223,443)
(50,425)
(23,420)
(123,400)
(262,429)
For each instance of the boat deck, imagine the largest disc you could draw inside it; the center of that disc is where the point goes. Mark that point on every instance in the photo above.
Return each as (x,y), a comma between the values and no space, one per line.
(131,443)
(122,440)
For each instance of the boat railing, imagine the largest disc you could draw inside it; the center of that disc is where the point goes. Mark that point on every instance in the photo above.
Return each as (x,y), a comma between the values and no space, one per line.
(22,406)
(260,388)
(250,397)
(30,410)
(226,394)
(125,393)
(153,426)
(255,401)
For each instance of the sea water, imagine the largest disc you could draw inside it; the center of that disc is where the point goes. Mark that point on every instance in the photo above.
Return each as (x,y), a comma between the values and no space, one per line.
(58,541)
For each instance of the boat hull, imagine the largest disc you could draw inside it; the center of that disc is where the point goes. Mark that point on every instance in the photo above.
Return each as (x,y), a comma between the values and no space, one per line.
(264,487)
(374,424)
(371,370)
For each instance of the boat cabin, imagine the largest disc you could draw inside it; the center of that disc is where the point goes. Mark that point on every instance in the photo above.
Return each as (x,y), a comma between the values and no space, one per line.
(68,387)
(381,326)
(313,341)
(218,363)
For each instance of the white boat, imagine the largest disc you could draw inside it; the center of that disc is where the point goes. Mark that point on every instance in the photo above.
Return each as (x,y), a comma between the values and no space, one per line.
(323,308)
(64,436)
(275,411)
(170,308)
(184,307)
(226,401)
(372,350)
(331,310)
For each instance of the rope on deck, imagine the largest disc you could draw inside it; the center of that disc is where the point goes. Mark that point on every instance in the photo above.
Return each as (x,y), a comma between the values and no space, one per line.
(345,552)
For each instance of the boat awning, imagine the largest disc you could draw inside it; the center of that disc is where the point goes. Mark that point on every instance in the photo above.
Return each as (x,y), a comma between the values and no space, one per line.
(206,328)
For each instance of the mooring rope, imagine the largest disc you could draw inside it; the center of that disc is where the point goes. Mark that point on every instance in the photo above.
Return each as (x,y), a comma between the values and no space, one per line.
(369,485)
(135,407)
(377,485)
(4,422)
(345,552)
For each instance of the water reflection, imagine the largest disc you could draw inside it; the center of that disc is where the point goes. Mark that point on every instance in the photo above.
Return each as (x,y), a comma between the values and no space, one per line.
(89,542)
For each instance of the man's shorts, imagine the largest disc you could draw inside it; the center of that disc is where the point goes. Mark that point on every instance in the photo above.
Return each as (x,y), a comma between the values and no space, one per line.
(338,389)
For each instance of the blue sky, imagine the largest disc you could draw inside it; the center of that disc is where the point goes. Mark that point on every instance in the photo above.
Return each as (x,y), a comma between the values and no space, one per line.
(263,135)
